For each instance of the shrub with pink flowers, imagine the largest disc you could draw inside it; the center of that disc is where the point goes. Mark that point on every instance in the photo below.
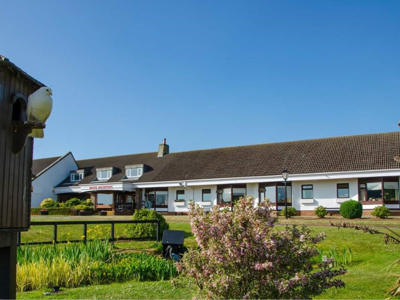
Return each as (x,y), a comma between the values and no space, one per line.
(241,255)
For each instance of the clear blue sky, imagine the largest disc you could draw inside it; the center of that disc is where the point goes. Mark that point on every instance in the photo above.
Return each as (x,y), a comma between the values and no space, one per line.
(206,74)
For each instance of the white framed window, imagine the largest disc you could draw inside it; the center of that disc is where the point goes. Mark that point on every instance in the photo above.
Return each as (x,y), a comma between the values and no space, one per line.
(74,177)
(134,172)
(104,174)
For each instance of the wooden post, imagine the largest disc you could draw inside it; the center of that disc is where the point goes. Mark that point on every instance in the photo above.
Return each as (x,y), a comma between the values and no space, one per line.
(8,265)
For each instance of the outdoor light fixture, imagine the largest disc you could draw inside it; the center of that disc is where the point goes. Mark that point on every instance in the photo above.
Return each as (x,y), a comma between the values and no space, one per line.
(285,176)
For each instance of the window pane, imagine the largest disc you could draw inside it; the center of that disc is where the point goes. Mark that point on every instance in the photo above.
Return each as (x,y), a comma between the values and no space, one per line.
(161,197)
(270,194)
(104,199)
(374,191)
(226,195)
(362,194)
(281,194)
(343,190)
(180,195)
(307,192)
(238,193)
(391,191)
(206,195)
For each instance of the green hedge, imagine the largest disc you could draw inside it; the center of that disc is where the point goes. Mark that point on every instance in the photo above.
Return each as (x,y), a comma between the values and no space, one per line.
(351,209)
(52,211)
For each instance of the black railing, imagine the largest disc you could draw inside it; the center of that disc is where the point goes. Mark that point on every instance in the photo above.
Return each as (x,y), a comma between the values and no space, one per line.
(85,224)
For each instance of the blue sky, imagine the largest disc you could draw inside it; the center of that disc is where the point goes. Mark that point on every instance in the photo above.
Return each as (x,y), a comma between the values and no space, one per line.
(206,74)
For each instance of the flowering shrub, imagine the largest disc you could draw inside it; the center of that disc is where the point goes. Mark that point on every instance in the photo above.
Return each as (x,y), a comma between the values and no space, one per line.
(240,255)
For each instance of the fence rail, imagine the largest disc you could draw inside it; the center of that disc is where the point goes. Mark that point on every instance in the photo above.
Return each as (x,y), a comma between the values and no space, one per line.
(85,224)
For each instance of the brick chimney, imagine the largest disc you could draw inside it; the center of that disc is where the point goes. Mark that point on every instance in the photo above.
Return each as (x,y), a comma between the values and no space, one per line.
(163,149)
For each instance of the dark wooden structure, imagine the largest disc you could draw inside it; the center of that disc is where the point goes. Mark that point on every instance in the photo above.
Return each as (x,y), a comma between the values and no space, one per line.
(16,151)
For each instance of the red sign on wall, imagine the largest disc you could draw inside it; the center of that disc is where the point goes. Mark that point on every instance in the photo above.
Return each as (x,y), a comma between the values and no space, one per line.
(100,187)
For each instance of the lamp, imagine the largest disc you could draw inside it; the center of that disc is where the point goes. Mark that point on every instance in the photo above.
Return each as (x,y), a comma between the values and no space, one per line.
(285,176)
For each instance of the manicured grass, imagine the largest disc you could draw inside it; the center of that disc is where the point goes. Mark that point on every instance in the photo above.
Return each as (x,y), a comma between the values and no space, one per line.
(127,290)
(366,277)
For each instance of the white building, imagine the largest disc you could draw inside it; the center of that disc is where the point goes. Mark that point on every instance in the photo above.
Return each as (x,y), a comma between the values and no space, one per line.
(47,173)
(322,172)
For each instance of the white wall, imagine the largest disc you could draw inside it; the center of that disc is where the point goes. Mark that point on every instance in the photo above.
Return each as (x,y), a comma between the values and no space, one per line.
(191,193)
(252,190)
(44,184)
(325,193)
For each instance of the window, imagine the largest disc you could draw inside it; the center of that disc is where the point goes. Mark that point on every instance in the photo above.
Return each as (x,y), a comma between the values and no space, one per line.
(230,193)
(275,193)
(280,191)
(371,191)
(343,190)
(134,172)
(180,195)
(307,191)
(391,191)
(104,174)
(158,197)
(379,189)
(74,177)
(206,195)
(104,199)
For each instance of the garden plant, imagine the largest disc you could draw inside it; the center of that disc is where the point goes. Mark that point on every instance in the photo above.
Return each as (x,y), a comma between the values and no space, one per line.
(146,230)
(291,212)
(320,212)
(381,212)
(75,265)
(240,255)
(351,209)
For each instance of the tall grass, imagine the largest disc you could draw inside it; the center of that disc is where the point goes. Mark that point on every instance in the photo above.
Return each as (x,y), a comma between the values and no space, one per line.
(343,257)
(73,265)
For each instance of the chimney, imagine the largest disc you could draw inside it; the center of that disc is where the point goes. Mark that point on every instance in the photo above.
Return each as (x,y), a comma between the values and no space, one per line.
(163,149)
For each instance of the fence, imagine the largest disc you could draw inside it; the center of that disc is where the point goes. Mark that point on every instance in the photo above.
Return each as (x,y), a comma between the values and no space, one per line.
(85,224)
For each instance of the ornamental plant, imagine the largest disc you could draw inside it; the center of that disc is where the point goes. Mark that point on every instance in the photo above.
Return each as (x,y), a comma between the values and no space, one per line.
(320,211)
(241,255)
(351,209)
(291,212)
(48,203)
(146,230)
(73,202)
(381,212)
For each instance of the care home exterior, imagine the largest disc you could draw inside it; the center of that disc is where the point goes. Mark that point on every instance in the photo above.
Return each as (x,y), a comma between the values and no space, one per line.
(322,172)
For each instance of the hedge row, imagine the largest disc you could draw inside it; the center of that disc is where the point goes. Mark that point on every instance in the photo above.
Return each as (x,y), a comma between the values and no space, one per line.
(52,211)
(60,211)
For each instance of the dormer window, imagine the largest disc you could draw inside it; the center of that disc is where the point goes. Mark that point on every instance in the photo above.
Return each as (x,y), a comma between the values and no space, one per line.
(134,171)
(104,174)
(76,176)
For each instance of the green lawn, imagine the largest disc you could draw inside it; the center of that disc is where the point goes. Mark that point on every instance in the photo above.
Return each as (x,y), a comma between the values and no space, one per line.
(366,277)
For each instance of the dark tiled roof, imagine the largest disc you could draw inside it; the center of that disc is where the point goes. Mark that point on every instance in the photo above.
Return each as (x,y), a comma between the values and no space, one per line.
(39,165)
(338,154)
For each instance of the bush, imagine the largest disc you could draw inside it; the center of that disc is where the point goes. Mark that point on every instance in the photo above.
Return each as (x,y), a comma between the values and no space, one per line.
(291,212)
(73,202)
(381,212)
(52,211)
(146,230)
(89,202)
(83,207)
(320,211)
(240,255)
(351,209)
(49,203)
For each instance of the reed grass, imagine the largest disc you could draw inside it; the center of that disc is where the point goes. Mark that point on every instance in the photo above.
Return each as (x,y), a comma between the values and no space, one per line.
(74,265)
